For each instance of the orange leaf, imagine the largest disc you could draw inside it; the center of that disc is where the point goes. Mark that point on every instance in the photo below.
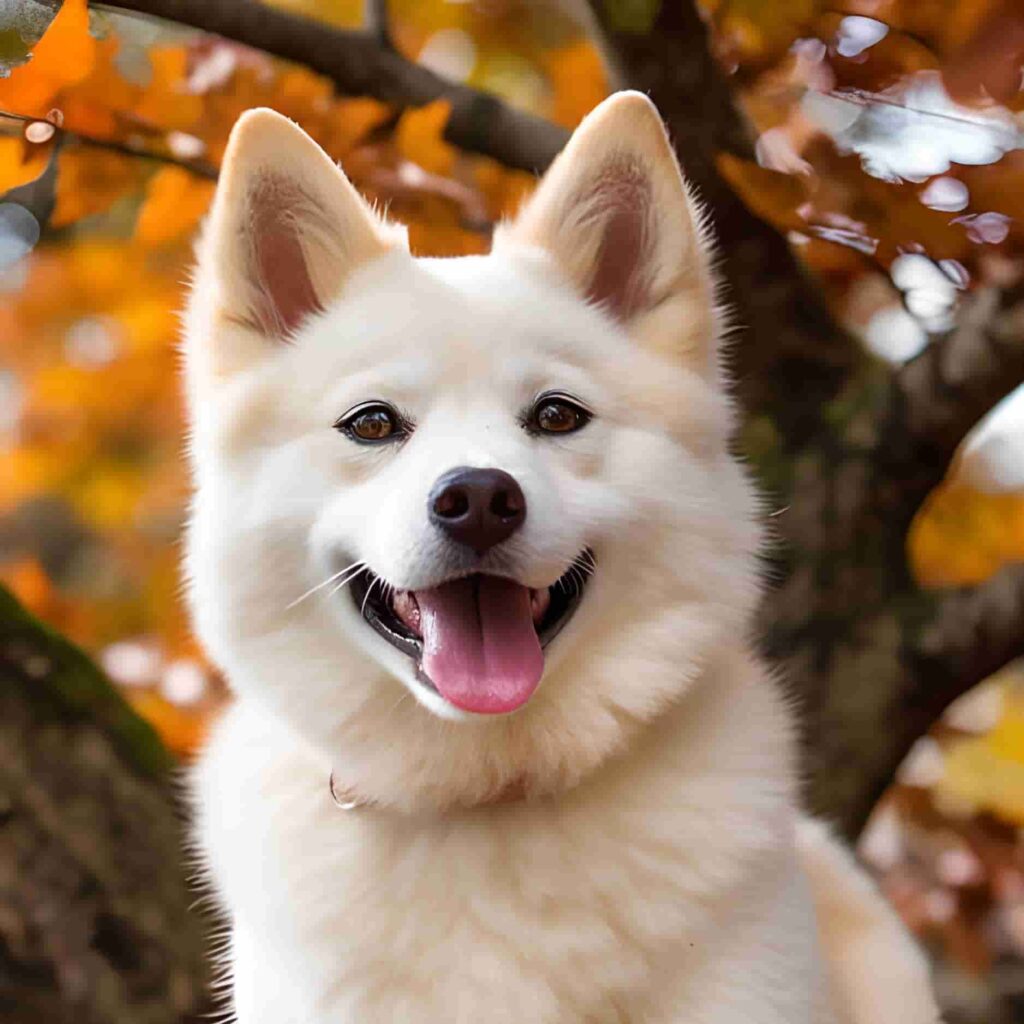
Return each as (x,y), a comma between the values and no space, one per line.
(181,730)
(961,537)
(175,200)
(20,162)
(166,103)
(771,195)
(577,76)
(419,137)
(62,57)
(30,584)
(351,121)
(90,180)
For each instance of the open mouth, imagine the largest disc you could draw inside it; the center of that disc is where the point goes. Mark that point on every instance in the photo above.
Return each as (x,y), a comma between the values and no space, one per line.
(479,640)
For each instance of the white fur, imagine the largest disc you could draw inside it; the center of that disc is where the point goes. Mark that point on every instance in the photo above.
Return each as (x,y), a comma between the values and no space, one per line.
(652,872)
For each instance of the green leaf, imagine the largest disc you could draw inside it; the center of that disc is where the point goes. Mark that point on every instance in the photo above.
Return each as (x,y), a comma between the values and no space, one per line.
(631,15)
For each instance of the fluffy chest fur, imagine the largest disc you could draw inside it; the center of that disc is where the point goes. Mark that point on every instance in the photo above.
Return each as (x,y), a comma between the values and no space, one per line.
(613,902)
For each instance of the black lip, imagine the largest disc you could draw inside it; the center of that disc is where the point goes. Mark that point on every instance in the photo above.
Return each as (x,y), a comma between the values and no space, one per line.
(375,607)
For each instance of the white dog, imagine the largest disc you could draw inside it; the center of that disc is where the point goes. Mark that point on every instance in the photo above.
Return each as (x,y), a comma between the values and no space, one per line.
(470,546)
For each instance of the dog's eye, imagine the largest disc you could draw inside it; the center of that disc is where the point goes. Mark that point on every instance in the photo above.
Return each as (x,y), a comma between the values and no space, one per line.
(372,423)
(555,413)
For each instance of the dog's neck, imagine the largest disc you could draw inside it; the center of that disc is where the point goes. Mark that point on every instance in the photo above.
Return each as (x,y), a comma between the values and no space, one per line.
(348,798)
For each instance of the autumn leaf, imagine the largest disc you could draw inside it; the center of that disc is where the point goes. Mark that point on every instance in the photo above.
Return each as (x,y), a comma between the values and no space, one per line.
(166,104)
(772,195)
(181,730)
(578,82)
(175,201)
(29,583)
(986,773)
(20,162)
(90,180)
(62,57)
(961,537)
(419,137)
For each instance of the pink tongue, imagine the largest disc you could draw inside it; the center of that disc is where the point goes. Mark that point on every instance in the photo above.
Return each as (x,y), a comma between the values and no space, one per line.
(479,646)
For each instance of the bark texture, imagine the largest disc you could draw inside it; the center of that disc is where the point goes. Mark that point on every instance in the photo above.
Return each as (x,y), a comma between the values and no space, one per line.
(95,926)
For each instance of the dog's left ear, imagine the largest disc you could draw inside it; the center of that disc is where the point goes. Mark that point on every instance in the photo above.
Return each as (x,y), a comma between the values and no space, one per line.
(614,213)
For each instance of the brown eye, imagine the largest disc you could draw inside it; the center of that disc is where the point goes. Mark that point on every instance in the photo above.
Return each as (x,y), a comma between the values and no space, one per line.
(372,423)
(557,414)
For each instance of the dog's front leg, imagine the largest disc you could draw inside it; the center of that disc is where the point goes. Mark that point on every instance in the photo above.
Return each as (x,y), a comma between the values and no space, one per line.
(263,992)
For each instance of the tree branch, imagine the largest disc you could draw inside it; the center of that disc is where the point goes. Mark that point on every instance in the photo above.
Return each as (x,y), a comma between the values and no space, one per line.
(359,65)
(972,633)
(375,22)
(957,379)
(200,168)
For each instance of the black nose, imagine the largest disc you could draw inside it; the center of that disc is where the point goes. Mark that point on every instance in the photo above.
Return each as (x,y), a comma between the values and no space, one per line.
(477,507)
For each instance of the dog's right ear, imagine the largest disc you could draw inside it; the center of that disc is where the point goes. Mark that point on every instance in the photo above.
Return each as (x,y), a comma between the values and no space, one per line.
(285,231)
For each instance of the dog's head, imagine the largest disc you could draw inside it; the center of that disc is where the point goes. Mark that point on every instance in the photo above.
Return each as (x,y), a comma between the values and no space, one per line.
(498,484)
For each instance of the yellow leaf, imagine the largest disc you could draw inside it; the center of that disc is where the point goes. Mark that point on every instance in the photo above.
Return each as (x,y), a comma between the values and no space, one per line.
(986,772)
(351,121)
(166,103)
(107,499)
(27,472)
(961,537)
(181,730)
(30,584)
(175,201)
(504,191)
(577,76)
(419,137)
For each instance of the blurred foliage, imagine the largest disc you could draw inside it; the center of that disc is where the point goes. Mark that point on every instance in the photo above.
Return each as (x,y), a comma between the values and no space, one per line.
(889,151)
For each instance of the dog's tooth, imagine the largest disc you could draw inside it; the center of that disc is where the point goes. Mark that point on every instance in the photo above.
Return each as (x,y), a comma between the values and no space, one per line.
(407,608)
(539,602)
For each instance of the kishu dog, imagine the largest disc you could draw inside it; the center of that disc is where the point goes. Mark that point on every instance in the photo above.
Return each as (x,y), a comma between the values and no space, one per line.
(470,546)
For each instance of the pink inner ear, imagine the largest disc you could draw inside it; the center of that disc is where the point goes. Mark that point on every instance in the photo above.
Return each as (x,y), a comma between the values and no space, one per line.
(283,290)
(621,204)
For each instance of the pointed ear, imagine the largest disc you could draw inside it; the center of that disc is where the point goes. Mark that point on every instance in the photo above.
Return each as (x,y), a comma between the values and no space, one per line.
(615,215)
(286,227)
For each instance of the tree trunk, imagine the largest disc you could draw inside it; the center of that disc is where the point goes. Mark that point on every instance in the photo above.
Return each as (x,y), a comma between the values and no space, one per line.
(95,925)
(848,448)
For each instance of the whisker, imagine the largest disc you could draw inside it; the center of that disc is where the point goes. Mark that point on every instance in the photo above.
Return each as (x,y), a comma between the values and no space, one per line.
(369,591)
(320,586)
(347,580)
(395,706)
